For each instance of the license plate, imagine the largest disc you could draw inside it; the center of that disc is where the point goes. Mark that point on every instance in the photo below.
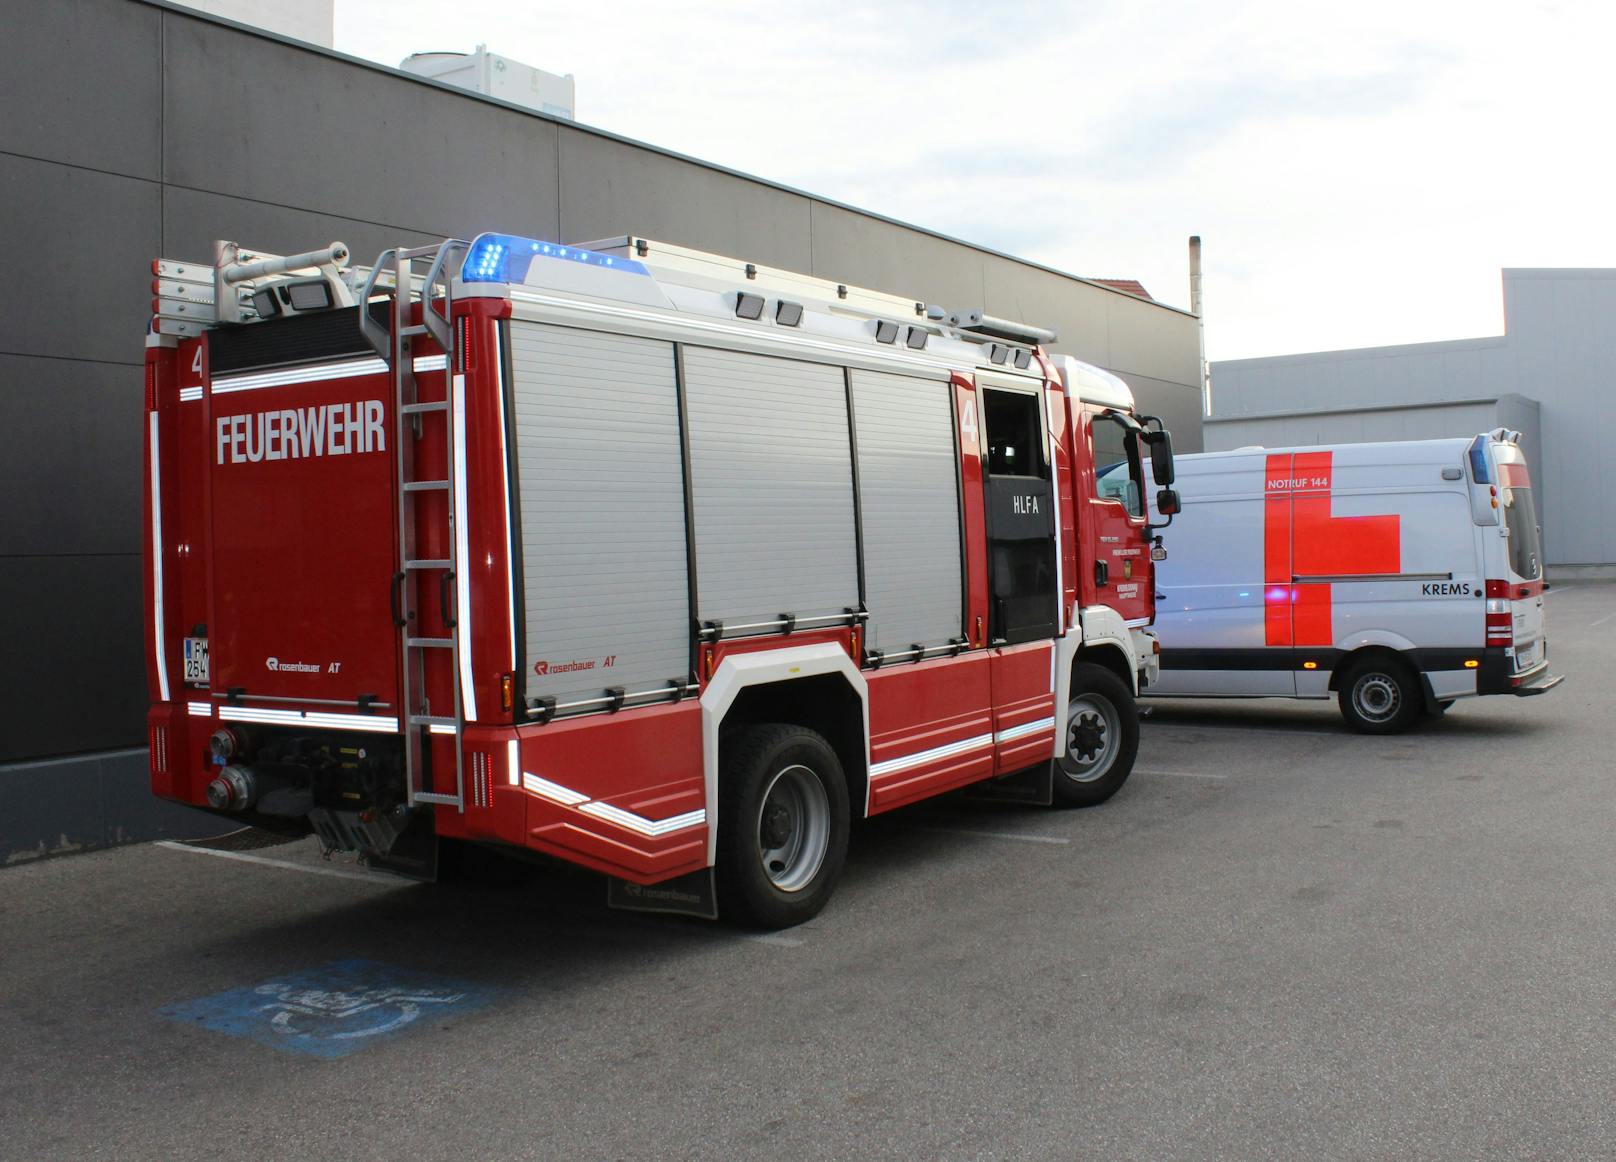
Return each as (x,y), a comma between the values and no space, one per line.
(1526,657)
(196,659)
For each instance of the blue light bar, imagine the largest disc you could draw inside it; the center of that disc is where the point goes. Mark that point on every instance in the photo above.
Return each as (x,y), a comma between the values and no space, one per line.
(507,257)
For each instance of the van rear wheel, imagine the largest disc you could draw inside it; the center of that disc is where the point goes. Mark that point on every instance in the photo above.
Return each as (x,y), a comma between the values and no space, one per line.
(1379,695)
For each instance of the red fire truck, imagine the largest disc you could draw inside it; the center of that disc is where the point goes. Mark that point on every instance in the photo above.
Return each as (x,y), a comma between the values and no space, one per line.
(658,562)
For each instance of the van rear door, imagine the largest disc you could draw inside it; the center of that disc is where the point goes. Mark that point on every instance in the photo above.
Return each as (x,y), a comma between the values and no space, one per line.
(1522,556)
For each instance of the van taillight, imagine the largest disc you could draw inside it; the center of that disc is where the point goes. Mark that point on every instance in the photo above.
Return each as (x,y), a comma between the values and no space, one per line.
(1500,618)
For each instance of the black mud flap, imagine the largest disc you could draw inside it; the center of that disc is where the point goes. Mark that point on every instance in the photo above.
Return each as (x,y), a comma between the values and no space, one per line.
(413,854)
(1034,787)
(695,895)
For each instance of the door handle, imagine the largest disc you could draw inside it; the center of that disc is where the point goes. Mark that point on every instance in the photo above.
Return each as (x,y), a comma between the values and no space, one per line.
(443,598)
(1102,573)
(395,597)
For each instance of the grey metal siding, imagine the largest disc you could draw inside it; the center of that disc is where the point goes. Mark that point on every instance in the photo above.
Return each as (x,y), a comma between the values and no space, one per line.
(602,502)
(772,475)
(909,489)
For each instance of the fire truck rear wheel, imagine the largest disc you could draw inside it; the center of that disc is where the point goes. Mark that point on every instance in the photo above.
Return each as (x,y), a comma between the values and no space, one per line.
(782,826)
(1101,739)
(1379,695)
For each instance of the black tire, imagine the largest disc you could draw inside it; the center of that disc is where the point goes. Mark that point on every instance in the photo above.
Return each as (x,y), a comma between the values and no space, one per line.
(1380,695)
(782,826)
(1099,740)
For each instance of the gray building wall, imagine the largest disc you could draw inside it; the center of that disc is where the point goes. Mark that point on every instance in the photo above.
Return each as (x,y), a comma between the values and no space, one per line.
(194,129)
(1558,349)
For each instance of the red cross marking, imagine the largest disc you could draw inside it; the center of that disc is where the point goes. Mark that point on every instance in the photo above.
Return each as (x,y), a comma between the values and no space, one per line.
(1302,539)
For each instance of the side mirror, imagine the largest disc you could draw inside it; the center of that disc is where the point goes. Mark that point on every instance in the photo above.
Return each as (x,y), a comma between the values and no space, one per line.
(1161,456)
(1167,502)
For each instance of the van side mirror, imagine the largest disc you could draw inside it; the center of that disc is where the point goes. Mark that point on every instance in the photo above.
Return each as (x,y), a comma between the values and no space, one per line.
(1161,456)
(1167,502)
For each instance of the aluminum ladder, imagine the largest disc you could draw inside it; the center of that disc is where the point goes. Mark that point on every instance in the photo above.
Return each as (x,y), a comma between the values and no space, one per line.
(395,343)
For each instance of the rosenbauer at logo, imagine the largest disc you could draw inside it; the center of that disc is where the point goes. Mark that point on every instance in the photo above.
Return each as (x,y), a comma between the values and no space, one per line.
(280,667)
(544,668)
(333,429)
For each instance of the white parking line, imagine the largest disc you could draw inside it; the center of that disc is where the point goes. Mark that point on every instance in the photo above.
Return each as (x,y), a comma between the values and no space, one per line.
(1602,620)
(1182,774)
(775,939)
(988,834)
(309,869)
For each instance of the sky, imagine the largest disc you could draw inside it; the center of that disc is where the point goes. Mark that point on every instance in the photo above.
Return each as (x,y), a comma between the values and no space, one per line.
(1359,173)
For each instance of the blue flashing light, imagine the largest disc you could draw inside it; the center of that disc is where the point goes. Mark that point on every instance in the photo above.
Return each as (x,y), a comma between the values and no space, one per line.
(507,258)
(1478,461)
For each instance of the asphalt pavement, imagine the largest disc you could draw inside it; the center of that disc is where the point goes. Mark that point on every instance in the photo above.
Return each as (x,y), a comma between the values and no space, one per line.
(1280,940)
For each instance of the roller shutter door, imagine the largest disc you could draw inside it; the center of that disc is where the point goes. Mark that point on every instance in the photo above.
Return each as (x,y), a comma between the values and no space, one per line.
(909,492)
(772,477)
(602,510)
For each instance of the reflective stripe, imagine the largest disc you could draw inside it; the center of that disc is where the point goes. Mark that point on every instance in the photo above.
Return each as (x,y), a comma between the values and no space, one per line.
(616,816)
(513,762)
(199,709)
(157,562)
(919,758)
(632,822)
(1025,729)
(347,369)
(369,723)
(554,792)
(462,582)
(190,394)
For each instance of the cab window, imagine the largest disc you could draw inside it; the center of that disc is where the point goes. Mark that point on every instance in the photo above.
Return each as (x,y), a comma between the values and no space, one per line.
(1116,464)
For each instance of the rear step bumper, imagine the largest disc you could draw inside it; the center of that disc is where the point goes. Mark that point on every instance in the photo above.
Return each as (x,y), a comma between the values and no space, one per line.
(1541,684)
(1497,675)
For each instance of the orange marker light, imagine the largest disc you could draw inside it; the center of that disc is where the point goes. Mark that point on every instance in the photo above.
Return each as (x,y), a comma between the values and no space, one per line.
(1310,665)
(1471,663)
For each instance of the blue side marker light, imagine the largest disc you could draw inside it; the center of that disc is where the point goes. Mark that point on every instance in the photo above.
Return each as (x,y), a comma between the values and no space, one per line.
(507,258)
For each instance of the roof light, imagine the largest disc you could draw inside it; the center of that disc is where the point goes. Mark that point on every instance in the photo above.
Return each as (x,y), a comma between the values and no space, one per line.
(1023,358)
(886,332)
(507,258)
(748,306)
(916,338)
(788,314)
(1478,461)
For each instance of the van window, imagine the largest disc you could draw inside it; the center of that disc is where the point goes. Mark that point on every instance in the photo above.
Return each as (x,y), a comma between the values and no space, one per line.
(1525,548)
(1116,474)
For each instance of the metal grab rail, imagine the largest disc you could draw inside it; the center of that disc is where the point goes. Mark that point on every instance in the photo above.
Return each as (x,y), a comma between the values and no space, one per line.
(438,322)
(378,336)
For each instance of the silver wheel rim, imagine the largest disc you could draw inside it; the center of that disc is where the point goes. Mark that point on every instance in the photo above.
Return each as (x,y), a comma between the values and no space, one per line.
(1377,697)
(1093,734)
(793,828)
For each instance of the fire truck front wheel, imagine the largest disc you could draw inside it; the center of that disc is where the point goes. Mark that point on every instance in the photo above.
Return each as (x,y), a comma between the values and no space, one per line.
(782,826)
(1101,739)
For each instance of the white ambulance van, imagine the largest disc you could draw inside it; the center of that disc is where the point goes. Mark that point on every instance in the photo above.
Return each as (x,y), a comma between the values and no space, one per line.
(1396,576)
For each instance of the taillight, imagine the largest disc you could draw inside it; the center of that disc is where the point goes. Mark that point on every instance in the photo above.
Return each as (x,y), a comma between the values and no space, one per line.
(1500,617)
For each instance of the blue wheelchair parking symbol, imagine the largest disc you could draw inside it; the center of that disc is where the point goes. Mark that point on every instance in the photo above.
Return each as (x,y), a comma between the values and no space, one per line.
(332,1010)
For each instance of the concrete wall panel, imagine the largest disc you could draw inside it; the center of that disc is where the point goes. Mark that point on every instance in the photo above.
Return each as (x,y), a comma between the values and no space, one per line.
(610,188)
(70,456)
(82,84)
(192,220)
(98,233)
(276,123)
(74,678)
(867,252)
